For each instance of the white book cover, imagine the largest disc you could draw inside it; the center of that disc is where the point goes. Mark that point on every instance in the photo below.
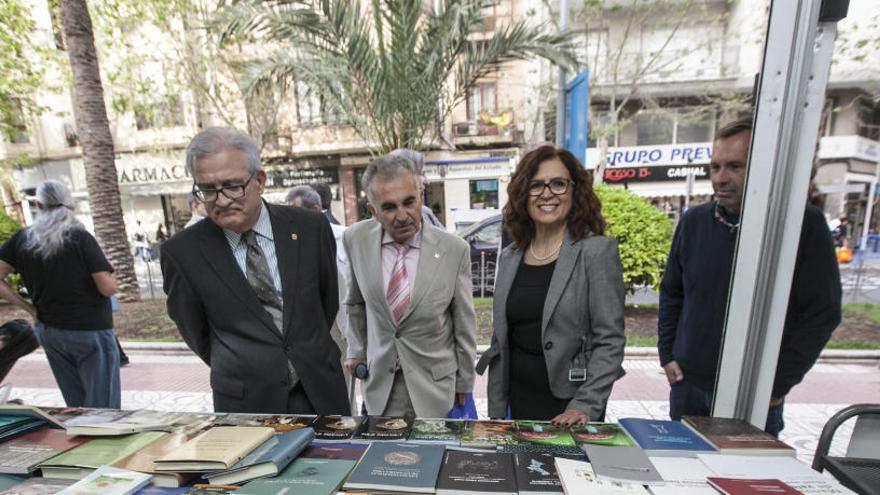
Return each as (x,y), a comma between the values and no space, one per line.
(108,480)
(577,478)
(683,476)
(795,473)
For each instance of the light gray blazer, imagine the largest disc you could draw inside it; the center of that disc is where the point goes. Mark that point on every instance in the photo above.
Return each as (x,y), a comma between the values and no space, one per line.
(436,338)
(585,299)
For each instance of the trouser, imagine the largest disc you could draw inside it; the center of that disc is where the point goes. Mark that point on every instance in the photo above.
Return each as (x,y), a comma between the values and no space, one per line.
(85,364)
(399,402)
(16,340)
(687,399)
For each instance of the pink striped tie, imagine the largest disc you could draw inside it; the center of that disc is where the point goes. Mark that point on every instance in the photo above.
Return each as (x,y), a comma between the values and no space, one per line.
(398,293)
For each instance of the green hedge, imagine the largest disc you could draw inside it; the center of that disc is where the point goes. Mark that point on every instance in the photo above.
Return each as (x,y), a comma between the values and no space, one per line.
(643,232)
(8,227)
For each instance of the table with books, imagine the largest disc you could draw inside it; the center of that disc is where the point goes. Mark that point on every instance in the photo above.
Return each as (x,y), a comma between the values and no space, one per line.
(87,451)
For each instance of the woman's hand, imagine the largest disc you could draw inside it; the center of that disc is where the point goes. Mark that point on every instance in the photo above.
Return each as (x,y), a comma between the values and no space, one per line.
(570,417)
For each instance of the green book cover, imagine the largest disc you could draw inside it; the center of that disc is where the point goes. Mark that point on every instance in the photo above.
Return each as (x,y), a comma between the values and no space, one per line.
(104,450)
(543,433)
(601,434)
(303,477)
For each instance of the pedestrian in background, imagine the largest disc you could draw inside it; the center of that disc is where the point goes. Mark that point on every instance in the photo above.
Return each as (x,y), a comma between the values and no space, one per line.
(71,282)
(558,339)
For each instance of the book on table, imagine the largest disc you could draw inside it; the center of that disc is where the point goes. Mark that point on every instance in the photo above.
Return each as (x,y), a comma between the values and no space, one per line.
(38,486)
(578,478)
(601,434)
(82,460)
(735,436)
(336,428)
(304,476)
(397,467)
(215,449)
(23,454)
(30,412)
(135,421)
(628,464)
(279,422)
(268,459)
(737,486)
(436,431)
(541,436)
(536,473)
(682,476)
(144,461)
(108,480)
(488,434)
(334,450)
(383,429)
(787,469)
(477,473)
(658,437)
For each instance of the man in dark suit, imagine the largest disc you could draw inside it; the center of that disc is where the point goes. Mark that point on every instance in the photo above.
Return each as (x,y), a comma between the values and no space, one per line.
(253,291)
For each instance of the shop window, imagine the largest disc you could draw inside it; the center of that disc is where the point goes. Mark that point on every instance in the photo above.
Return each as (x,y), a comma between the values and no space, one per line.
(484,194)
(164,113)
(654,128)
(694,125)
(481,98)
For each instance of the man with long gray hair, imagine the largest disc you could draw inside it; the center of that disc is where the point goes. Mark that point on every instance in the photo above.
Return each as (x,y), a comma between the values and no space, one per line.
(70,282)
(252,288)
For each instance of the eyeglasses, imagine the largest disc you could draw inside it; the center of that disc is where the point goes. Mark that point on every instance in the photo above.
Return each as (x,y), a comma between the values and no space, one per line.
(235,191)
(557,187)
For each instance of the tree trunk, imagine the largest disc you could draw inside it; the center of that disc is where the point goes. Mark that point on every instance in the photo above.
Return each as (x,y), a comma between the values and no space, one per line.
(97,146)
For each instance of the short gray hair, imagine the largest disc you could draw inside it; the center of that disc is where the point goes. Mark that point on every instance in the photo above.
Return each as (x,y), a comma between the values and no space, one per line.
(416,159)
(310,197)
(386,168)
(215,140)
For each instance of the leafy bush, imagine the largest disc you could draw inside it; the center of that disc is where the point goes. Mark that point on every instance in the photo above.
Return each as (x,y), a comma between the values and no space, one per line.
(643,232)
(8,227)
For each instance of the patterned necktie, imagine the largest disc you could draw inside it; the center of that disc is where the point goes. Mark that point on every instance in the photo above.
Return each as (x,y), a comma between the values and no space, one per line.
(398,293)
(260,279)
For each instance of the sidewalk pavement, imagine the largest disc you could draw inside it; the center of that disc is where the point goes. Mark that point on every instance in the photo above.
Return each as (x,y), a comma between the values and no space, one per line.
(179,381)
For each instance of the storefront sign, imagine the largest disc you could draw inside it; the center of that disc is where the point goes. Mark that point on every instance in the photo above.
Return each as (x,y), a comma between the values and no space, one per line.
(491,167)
(858,147)
(653,156)
(619,175)
(290,176)
(152,174)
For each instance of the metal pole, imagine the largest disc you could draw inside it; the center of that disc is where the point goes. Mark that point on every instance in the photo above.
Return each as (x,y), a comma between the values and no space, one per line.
(869,209)
(482,274)
(560,96)
(150,279)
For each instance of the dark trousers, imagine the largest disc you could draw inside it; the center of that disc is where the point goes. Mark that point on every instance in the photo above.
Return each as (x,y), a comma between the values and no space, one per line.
(85,364)
(687,399)
(298,402)
(16,340)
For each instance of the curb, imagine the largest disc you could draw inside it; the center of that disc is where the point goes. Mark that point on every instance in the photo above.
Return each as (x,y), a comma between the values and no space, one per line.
(827,355)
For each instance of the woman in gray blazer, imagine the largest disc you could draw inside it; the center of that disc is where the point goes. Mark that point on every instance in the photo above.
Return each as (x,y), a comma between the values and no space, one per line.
(558,336)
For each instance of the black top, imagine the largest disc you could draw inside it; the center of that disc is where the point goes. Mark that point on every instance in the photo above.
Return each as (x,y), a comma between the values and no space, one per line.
(62,287)
(530,395)
(694,291)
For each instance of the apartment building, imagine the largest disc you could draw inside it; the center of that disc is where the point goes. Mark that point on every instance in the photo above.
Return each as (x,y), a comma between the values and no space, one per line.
(467,173)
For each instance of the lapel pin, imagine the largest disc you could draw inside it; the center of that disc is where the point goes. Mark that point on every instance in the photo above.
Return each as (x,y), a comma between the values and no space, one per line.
(437,255)
(293,237)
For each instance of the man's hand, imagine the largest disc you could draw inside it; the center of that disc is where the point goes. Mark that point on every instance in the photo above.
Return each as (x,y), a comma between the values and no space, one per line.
(351,364)
(673,372)
(570,417)
(461,399)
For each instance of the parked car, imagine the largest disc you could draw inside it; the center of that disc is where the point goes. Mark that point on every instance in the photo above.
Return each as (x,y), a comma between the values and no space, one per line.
(485,238)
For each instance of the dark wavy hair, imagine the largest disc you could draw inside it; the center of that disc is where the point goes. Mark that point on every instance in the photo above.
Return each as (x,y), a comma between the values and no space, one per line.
(585,216)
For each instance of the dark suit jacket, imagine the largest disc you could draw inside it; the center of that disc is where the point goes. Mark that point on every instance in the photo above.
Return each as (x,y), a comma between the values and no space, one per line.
(222,321)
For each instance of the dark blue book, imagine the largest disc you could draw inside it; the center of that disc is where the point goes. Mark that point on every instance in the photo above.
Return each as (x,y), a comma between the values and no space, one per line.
(397,467)
(664,438)
(268,459)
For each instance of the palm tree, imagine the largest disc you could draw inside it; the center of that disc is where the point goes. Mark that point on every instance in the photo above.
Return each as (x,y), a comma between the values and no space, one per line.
(393,68)
(93,130)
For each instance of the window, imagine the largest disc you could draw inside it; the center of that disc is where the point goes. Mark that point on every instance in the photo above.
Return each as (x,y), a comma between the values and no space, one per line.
(654,128)
(869,118)
(17,124)
(599,123)
(481,98)
(312,108)
(694,125)
(484,194)
(490,234)
(596,49)
(167,112)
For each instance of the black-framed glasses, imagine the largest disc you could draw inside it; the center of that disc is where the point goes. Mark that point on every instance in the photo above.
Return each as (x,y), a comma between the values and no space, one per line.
(557,187)
(235,191)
